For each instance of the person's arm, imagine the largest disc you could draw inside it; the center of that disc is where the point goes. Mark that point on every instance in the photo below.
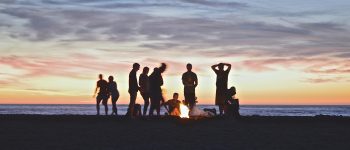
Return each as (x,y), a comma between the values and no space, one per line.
(214,67)
(195,81)
(141,81)
(161,81)
(93,96)
(136,84)
(228,67)
(166,103)
(183,80)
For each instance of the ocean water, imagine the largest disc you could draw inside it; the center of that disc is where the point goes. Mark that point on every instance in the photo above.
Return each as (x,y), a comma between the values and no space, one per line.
(246,110)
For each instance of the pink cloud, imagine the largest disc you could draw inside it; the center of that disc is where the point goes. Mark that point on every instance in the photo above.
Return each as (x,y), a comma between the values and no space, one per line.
(75,66)
(335,67)
(324,80)
(314,66)
(271,64)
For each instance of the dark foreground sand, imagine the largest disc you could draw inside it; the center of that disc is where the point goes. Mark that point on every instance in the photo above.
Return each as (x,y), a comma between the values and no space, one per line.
(107,133)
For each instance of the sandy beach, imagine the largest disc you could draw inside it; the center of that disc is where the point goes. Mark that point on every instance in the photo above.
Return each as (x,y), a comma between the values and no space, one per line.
(108,132)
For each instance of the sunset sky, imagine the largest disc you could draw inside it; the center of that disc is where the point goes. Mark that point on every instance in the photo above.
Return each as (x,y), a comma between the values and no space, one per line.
(282,52)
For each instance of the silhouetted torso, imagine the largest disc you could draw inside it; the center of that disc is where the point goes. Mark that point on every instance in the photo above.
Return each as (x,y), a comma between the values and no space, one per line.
(113,89)
(144,83)
(103,87)
(189,79)
(173,104)
(221,87)
(155,81)
(221,79)
(133,86)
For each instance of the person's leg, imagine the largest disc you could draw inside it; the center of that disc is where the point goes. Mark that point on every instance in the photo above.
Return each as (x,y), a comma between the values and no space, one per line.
(116,108)
(221,109)
(158,100)
(132,103)
(158,108)
(98,101)
(151,109)
(104,102)
(114,105)
(150,113)
(145,97)
(186,98)
(139,111)
(192,100)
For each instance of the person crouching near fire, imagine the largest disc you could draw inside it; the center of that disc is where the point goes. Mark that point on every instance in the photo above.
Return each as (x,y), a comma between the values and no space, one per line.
(232,104)
(173,105)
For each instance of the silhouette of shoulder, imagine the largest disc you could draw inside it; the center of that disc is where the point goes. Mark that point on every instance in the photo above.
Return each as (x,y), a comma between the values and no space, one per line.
(189,74)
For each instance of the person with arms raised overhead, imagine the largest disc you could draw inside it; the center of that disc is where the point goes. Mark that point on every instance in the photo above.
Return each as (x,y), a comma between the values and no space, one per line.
(114,93)
(144,88)
(133,87)
(102,95)
(221,84)
(190,82)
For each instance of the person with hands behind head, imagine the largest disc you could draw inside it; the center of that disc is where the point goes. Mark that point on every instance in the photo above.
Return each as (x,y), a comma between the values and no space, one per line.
(221,84)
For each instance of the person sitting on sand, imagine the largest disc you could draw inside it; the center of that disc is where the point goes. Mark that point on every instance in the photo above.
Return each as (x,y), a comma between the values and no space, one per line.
(173,105)
(232,104)
(102,95)
(114,94)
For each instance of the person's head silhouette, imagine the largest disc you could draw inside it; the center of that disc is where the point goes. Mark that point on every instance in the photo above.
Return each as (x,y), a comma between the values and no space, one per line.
(232,91)
(221,66)
(145,70)
(176,96)
(156,69)
(162,67)
(110,78)
(100,76)
(189,67)
(136,66)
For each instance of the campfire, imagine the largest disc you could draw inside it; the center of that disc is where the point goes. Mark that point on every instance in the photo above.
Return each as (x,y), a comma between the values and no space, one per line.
(184,111)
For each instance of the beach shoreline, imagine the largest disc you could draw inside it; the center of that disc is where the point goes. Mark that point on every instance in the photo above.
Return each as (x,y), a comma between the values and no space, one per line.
(168,133)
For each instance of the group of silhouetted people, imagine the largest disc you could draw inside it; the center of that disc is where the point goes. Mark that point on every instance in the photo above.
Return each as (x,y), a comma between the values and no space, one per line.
(151,92)
(106,90)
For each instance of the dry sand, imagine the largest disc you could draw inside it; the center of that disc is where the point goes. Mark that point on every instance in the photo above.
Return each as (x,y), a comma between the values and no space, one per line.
(106,133)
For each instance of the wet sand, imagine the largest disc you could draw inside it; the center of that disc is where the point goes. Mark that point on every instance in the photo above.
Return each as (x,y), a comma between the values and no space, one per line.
(59,132)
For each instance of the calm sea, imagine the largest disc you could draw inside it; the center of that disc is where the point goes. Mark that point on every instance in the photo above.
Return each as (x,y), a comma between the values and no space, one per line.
(247,110)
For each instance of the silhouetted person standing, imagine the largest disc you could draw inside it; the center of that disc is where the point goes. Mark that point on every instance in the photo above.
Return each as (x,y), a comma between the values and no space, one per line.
(133,87)
(114,94)
(190,82)
(156,81)
(102,95)
(221,84)
(144,88)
